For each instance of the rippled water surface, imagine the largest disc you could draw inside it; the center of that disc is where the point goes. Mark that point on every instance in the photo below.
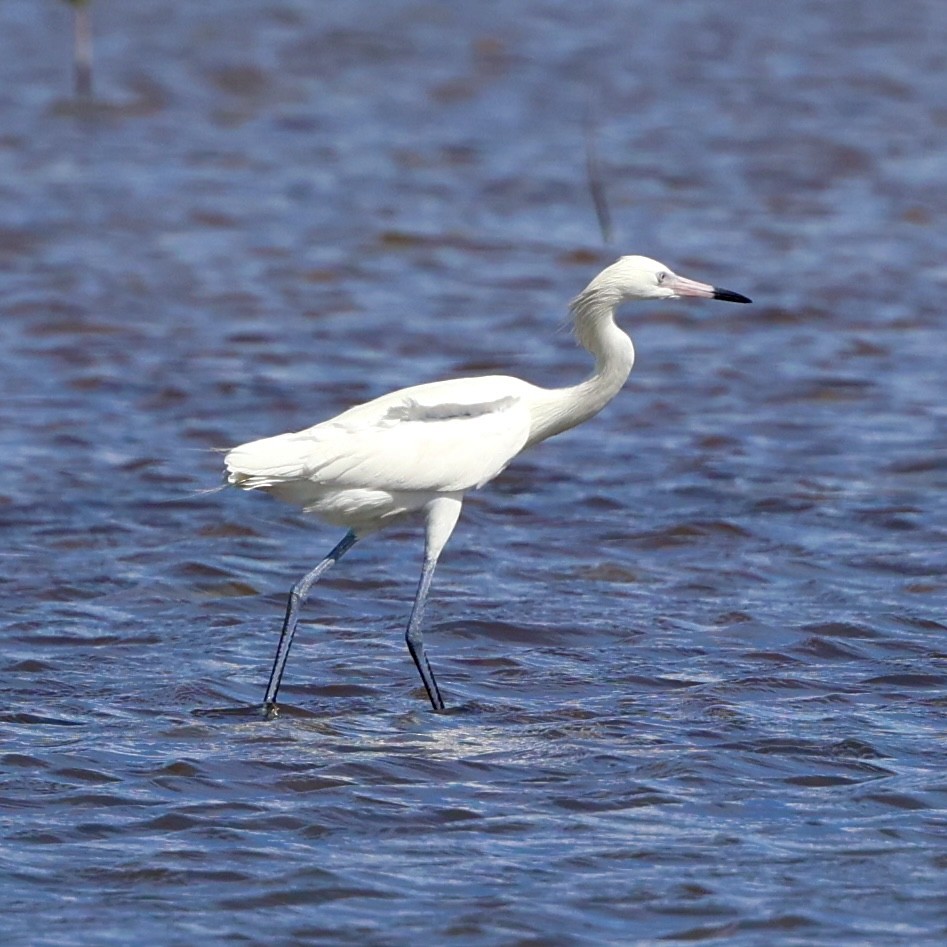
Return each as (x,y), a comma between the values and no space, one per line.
(694,651)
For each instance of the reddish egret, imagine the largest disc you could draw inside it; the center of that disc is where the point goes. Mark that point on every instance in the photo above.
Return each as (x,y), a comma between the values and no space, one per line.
(419,450)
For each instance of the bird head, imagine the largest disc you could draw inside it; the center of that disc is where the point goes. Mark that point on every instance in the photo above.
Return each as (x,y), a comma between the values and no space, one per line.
(639,277)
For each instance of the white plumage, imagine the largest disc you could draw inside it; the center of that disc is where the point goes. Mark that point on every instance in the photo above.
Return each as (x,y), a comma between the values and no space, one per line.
(420,449)
(395,451)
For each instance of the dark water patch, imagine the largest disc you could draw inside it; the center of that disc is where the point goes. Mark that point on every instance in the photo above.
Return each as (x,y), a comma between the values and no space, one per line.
(686,533)
(840,630)
(85,775)
(772,657)
(827,649)
(39,720)
(820,781)
(896,800)
(910,680)
(496,630)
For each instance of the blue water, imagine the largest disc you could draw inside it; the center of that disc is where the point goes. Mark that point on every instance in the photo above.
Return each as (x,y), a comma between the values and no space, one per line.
(694,651)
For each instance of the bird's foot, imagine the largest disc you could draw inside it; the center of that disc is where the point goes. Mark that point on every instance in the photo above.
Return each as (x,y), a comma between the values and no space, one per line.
(269,710)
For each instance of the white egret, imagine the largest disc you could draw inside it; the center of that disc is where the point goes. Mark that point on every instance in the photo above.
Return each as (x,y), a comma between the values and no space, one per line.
(420,449)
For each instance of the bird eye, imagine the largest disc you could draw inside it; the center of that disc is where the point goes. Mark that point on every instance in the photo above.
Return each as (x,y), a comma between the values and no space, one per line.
(662,276)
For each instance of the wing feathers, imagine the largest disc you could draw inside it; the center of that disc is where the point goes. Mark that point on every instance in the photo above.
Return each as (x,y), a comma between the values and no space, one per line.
(407,445)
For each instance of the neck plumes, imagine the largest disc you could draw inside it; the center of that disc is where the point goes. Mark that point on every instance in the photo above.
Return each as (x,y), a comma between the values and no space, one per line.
(593,312)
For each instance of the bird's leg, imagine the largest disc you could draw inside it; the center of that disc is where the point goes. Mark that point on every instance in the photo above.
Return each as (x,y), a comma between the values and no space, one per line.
(415,637)
(442,516)
(297,596)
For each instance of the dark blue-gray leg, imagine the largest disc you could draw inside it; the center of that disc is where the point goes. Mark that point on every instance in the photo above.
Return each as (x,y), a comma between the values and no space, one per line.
(415,637)
(442,516)
(297,596)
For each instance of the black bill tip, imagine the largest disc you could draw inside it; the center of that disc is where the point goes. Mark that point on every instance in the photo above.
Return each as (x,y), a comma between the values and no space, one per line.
(729,296)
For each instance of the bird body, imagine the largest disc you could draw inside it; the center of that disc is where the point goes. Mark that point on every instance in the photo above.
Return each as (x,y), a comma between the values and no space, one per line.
(421,449)
(380,460)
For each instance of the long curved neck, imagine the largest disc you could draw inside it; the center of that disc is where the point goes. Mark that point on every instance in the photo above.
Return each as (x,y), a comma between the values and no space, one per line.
(559,409)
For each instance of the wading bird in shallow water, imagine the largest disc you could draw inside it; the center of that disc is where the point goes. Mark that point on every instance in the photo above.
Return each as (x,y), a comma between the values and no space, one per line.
(420,449)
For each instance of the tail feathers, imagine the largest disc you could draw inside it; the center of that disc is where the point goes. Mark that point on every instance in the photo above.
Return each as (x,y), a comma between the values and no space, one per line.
(265,463)
(248,482)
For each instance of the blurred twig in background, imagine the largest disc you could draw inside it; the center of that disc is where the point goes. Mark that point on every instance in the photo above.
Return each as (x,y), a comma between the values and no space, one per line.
(82,48)
(596,181)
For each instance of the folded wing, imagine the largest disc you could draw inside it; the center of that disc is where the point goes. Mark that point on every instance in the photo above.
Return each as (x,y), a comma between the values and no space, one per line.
(406,444)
